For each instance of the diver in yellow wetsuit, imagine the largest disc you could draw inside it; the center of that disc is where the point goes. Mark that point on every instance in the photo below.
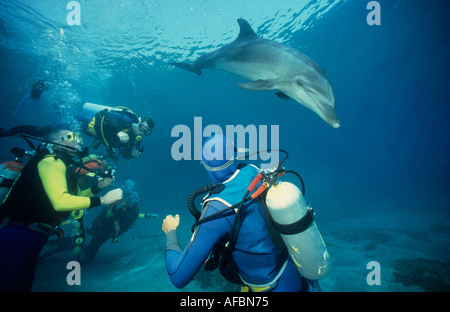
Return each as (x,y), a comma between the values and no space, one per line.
(41,198)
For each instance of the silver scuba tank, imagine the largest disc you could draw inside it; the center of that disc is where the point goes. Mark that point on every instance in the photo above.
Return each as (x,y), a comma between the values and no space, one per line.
(293,218)
(94,108)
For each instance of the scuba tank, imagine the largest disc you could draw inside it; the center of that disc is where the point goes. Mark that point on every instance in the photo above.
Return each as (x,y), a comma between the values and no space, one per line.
(293,218)
(94,108)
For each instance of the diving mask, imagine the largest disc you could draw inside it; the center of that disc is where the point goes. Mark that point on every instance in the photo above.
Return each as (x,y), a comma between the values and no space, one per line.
(144,129)
(74,137)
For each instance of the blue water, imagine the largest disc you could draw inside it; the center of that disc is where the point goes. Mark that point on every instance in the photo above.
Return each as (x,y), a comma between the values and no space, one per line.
(379,183)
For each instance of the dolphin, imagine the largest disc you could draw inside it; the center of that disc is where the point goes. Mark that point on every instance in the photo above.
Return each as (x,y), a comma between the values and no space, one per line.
(272,66)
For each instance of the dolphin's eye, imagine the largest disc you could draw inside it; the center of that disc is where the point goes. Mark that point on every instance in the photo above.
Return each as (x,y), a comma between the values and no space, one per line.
(299,82)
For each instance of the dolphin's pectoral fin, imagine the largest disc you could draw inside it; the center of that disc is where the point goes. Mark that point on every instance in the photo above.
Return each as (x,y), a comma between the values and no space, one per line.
(188,67)
(262,84)
(258,85)
(283,96)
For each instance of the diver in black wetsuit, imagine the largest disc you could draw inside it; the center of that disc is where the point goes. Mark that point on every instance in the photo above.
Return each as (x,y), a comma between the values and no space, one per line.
(111,222)
(120,130)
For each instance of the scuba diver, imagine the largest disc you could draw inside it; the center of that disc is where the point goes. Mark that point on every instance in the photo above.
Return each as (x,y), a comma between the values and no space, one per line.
(42,196)
(117,128)
(92,172)
(238,238)
(30,101)
(111,222)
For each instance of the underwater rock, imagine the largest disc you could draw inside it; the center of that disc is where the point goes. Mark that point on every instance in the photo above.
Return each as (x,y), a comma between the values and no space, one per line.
(365,239)
(430,275)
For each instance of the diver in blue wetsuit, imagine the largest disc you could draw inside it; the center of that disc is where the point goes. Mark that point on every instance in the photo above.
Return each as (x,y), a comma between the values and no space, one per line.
(256,262)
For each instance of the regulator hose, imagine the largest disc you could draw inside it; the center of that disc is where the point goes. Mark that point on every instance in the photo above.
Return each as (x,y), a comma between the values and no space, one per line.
(191,199)
(300,178)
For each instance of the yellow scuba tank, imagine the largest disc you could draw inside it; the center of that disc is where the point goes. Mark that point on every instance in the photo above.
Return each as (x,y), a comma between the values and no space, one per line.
(293,218)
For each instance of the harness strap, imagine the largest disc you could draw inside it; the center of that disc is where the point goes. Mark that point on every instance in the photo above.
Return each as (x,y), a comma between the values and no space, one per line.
(299,226)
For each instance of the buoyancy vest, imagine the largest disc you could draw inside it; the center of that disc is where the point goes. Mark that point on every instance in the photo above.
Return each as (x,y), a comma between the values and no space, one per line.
(254,253)
(27,200)
(107,123)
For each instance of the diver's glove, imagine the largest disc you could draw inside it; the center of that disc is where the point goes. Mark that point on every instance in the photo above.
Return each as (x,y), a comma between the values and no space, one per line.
(123,137)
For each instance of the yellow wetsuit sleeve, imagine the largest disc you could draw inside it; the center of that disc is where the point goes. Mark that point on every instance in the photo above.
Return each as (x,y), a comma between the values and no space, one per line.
(52,173)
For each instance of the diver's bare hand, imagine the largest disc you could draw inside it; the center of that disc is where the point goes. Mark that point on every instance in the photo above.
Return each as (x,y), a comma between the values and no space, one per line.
(136,153)
(170,223)
(112,196)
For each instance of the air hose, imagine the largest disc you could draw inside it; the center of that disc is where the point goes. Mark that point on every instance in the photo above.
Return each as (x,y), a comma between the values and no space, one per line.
(191,199)
(299,177)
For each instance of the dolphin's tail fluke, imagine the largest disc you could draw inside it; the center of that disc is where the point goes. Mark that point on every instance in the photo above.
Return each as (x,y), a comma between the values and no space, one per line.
(188,67)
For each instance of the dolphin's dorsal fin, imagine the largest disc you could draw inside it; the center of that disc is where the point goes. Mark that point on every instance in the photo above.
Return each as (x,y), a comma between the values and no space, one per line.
(246,32)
